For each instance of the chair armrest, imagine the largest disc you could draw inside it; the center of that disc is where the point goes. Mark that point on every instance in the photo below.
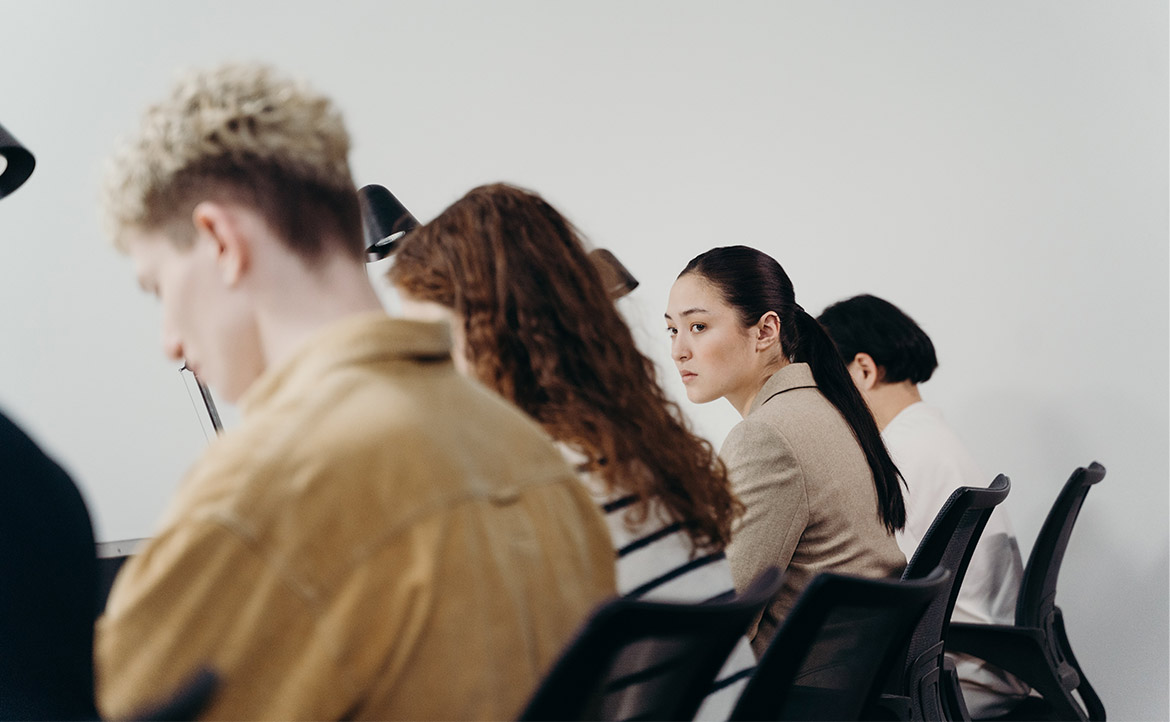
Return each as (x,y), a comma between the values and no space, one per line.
(1019,650)
(1022,651)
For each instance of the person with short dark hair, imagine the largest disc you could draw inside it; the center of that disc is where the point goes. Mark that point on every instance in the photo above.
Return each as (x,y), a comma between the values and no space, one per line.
(888,355)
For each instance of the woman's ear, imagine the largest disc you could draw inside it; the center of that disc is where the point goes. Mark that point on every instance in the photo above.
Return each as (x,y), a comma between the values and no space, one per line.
(217,225)
(767,331)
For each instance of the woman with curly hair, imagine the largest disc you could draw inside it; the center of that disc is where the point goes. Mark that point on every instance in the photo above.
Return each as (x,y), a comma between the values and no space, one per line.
(532,320)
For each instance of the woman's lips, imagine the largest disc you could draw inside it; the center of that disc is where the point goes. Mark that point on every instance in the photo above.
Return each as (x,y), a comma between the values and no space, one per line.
(688,376)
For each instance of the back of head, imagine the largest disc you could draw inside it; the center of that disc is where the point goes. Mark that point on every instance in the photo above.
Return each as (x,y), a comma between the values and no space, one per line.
(513,269)
(871,325)
(541,330)
(242,134)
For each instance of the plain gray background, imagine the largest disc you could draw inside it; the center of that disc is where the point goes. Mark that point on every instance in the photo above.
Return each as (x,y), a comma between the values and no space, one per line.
(999,170)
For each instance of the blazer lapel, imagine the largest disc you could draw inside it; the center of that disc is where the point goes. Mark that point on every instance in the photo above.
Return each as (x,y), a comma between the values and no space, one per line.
(792,376)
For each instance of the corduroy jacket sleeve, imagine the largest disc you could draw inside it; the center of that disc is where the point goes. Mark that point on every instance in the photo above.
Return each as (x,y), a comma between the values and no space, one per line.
(200,596)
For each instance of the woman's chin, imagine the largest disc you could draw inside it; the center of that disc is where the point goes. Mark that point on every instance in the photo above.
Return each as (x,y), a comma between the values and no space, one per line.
(696,396)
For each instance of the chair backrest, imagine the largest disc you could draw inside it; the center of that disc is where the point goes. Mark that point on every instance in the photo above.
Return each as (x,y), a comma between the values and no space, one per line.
(949,543)
(827,659)
(1038,589)
(643,660)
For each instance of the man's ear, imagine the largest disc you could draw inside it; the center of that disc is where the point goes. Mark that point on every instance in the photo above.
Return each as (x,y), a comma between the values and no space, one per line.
(866,373)
(767,331)
(218,226)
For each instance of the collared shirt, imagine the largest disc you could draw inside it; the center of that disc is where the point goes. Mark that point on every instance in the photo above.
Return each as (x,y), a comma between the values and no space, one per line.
(378,538)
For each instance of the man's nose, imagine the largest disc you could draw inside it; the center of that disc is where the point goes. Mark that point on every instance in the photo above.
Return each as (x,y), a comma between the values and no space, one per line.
(172,347)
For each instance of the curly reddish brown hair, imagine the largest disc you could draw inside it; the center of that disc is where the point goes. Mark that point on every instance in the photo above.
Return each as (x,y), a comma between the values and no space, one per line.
(541,330)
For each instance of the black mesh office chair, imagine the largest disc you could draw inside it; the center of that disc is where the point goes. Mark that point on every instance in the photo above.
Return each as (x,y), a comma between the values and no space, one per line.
(647,660)
(923,684)
(827,659)
(1036,648)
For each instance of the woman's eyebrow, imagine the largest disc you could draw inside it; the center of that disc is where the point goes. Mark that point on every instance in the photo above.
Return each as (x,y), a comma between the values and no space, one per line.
(687,312)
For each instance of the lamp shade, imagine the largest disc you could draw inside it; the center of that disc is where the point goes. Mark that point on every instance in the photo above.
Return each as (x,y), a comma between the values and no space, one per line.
(617,278)
(18,163)
(384,221)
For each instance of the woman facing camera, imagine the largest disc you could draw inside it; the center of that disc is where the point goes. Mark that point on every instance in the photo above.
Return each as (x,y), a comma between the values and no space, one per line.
(532,320)
(820,490)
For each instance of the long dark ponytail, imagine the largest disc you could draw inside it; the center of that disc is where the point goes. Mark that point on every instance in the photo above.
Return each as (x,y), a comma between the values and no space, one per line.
(753,283)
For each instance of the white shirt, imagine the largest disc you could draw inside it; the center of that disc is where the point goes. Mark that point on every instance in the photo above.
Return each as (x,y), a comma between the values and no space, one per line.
(934,463)
(656,561)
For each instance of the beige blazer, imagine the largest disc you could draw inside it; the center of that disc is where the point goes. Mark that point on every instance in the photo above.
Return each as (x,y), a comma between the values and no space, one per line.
(809,495)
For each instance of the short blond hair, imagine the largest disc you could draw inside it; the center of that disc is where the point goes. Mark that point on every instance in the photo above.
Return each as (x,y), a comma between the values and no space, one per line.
(239,133)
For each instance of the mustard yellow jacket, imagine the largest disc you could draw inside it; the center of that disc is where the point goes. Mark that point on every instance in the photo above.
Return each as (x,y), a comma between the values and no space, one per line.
(379,538)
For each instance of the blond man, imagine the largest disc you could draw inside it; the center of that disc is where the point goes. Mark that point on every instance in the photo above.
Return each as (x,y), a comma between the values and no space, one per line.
(378,537)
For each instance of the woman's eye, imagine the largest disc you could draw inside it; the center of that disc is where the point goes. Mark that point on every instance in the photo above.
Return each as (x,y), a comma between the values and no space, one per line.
(672,330)
(697,327)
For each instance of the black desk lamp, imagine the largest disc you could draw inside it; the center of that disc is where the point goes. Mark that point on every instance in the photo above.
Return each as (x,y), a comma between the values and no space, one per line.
(384,220)
(617,278)
(18,163)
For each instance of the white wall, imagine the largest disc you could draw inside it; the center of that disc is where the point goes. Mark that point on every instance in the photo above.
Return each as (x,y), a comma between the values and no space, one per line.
(999,170)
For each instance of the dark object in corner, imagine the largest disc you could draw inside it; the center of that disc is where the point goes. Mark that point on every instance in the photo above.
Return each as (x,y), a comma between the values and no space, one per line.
(48,586)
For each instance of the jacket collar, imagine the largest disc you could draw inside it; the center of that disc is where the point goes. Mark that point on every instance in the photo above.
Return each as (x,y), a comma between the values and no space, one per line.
(364,338)
(792,376)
